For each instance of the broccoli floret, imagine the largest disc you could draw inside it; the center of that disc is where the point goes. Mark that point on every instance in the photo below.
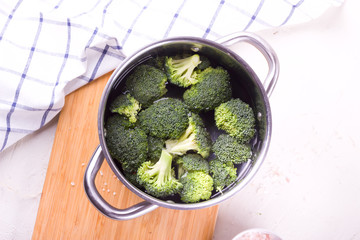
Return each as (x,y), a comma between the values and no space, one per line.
(237,119)
(181,71)
(155,147)
(229,149)
(196,138)
(126,105)
(158,62)
(197,186)
(191,162)
(158,179)
(212,89)
(223,174)
(204,63)
(116,120)
(166,118)
(146,84)
(128,146)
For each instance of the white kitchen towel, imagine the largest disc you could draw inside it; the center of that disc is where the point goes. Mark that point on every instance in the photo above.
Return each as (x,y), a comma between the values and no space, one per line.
(50,48)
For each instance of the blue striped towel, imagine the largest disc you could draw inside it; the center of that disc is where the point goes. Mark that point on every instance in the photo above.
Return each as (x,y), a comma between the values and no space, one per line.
(50,48)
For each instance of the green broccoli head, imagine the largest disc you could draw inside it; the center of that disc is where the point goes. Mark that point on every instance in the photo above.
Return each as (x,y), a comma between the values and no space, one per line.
(128,146)
(126,105)
(229,149)
(191,162)
(156,146)
(237,119)
(223,174)
(204,63)
(195,138)
(166,118)
(158,179)
(116,120)
(197,186)
(158,62)
(181,71)
(212,89)
(147,84)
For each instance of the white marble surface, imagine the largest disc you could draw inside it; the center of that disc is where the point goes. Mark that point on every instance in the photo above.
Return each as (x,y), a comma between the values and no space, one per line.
(308,186)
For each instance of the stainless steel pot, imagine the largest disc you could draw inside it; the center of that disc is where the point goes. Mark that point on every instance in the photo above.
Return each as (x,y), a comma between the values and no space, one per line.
(247,85)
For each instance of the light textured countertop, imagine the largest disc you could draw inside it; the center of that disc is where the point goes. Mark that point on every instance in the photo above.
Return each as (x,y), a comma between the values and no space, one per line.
(308,186)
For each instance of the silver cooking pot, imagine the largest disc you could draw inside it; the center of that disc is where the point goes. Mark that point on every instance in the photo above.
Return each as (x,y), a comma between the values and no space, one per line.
(245,85)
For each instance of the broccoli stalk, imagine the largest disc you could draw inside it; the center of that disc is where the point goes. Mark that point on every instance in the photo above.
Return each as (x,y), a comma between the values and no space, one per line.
(195,138)
(158,179)
(181,71)
(160,172)
(185,143)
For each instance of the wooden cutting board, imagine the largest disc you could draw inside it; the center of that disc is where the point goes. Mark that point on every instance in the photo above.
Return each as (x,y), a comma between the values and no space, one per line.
(65,211)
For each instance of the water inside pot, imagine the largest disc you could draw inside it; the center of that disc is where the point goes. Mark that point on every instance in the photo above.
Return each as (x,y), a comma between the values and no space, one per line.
(245,85)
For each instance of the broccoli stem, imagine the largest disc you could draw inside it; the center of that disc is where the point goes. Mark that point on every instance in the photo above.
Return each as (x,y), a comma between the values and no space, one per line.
(181,146)
(187,133)
(162,168)
(181,171)
(185,67)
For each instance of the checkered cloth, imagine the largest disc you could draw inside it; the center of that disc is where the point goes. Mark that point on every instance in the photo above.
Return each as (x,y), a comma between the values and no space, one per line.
(50,48)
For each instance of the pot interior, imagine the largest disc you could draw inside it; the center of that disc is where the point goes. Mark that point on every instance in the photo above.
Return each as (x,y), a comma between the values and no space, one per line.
(245,85)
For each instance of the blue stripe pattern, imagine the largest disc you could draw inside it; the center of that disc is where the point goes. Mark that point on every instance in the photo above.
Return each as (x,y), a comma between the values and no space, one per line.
(16,130)
(99,63)
(61,55)
(66,55)
(293,7)
(27,108)
(58,4)
(92,37)
(40,50)
(104,13)
(95,42)
(10,16)
(208,29)
(28,77)
(90,10)
(73,25)
(254,15)
(23,76)
(176,15)
(128,32)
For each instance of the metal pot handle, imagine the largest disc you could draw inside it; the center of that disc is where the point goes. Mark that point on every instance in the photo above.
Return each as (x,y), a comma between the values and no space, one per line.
(98,201)
(269,54)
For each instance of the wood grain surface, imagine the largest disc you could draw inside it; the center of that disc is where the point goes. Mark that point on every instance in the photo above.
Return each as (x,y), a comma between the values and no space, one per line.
(64,210)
